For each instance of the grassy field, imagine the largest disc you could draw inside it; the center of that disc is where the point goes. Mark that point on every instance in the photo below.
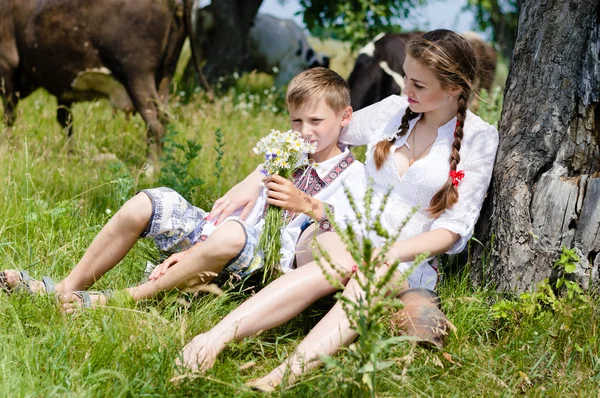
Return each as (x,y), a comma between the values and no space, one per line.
(53,201)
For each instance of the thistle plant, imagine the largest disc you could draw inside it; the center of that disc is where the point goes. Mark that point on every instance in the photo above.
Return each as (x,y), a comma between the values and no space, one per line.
(283,152)
(377,300)
(220,137)
(176,172)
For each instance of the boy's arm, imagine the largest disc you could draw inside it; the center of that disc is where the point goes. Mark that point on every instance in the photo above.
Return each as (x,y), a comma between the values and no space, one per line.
(244,194)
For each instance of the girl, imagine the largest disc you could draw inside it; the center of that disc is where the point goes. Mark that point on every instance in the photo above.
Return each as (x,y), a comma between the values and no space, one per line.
(433,153)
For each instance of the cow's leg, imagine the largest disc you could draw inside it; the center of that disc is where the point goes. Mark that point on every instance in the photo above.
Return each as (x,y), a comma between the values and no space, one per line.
(65,118)
(9,97)
(146,100)
(163,94)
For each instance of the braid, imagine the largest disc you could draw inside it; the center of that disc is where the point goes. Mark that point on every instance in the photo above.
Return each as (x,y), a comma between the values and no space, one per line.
(382,149)
(447,196)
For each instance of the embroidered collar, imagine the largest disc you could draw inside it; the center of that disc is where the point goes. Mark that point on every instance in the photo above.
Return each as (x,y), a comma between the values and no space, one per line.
(323,168)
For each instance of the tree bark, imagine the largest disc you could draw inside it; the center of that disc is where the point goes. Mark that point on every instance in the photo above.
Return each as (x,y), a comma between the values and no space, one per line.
(545,192)
(229,49)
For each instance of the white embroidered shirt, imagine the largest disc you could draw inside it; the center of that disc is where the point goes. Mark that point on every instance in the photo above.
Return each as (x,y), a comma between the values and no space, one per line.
(427,175)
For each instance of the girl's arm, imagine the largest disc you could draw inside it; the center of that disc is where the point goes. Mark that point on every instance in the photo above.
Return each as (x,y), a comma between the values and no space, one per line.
(372,123)
(436,241)
(451,231)
(477,165)
(244,194)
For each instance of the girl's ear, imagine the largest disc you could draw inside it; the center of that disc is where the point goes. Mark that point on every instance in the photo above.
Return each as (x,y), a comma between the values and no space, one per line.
(454,91)
(346,116)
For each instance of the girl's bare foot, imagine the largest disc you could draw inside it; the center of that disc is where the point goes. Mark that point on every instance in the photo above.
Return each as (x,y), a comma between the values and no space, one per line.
(199,355)
(273,380)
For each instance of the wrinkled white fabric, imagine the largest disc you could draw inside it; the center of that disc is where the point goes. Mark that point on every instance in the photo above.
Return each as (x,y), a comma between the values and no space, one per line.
(352,177)
(426,176)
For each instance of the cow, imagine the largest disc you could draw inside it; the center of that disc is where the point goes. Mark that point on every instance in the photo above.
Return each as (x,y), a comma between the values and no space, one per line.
(378,71)
(290,53)
(79,50)
(275,45)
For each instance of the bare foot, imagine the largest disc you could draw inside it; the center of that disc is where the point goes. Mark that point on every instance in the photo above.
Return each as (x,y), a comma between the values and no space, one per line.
(271,381)
(11,280)
(199,355)
(73,302)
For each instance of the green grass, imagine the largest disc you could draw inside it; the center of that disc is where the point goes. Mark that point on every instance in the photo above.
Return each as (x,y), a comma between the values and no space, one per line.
(53,202)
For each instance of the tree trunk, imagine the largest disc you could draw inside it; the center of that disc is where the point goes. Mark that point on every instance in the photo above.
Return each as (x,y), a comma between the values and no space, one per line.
(229,50)
(546,185)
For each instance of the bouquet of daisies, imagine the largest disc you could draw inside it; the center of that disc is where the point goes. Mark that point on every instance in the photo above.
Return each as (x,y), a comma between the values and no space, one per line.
(284,152)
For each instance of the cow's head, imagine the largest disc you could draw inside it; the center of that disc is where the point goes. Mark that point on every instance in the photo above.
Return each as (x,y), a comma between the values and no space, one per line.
(315,59)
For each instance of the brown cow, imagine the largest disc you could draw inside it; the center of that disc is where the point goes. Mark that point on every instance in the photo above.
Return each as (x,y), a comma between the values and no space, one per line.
(378,71)
(80,50)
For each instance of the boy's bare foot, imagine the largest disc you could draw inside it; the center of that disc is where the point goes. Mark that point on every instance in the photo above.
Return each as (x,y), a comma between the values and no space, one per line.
(199,355)
(11,280)
(75,301)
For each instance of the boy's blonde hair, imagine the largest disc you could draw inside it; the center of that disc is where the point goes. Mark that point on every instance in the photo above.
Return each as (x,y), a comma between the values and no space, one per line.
(314,84)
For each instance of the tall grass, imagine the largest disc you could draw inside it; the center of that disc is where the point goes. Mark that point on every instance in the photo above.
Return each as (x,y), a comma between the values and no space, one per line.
(53,201)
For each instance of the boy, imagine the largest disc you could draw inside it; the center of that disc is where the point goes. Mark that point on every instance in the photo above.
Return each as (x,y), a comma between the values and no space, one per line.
(319,106)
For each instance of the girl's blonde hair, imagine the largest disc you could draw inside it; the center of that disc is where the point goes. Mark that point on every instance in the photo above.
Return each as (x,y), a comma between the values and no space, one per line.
(452,60)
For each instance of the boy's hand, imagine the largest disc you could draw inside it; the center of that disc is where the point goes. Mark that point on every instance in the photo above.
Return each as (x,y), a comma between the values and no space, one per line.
(282,193)
(162,268)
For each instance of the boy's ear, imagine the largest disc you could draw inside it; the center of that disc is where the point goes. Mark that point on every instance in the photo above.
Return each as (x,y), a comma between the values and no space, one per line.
(346,116)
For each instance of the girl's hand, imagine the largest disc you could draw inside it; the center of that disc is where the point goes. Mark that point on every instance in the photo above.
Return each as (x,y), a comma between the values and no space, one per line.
(245,194)
(282,193)
(162,268)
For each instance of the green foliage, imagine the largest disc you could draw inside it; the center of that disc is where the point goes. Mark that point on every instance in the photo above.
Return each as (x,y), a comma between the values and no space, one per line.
(357,375)
(489,105)
(176,163)
(355,21)
(54,202)
(220,138)
(568,260)
(501,18)
(122,185)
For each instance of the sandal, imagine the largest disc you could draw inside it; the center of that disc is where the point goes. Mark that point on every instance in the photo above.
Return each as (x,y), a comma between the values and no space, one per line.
(25,283)
(86,299)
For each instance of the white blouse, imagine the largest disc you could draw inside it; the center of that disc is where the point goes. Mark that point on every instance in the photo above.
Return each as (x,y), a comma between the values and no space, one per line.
(427,175)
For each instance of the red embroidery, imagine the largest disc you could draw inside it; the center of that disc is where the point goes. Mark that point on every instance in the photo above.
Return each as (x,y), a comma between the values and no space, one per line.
(456,176)
(310,182)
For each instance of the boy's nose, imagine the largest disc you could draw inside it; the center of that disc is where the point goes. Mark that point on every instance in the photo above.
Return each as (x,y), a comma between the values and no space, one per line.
(306,132)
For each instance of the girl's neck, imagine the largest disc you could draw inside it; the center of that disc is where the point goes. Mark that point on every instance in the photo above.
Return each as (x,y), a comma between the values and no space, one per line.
(439,117)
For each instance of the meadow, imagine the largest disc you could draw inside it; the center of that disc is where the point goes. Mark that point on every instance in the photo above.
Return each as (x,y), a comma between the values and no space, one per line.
(55,196)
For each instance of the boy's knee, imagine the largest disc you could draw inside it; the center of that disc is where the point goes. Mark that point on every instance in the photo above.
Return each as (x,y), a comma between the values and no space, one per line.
(229,239)
(136,211)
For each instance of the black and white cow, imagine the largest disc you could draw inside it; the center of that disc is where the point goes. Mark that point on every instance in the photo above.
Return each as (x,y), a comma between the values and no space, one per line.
(276,46)
(378,71)
(281,43)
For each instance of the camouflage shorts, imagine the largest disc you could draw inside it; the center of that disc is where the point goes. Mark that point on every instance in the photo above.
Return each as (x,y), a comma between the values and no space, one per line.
(176,225)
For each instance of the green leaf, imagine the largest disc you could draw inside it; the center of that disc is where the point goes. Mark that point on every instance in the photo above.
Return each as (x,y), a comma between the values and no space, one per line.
(570,268)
